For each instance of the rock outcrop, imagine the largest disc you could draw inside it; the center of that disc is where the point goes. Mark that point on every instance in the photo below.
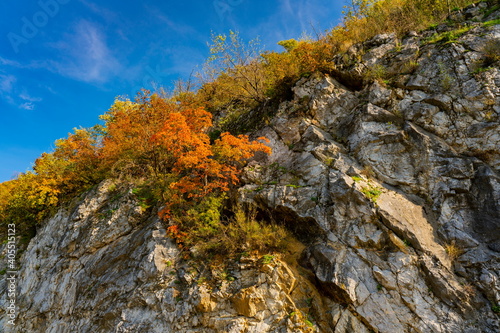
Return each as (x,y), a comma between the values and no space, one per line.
(388,172)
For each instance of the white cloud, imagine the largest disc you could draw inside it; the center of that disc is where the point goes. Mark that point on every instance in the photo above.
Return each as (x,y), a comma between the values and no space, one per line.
(26,97)
(85,55)
(14,95)
(27,106)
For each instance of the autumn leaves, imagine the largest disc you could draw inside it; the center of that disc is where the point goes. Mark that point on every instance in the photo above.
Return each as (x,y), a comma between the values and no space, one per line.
(151,138)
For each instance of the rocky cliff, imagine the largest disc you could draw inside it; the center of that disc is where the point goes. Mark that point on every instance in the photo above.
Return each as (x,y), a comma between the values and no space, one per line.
(388,172)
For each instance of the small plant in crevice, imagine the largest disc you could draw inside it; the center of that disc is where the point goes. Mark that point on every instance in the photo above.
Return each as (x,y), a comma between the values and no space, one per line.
(490,116)
(294,186)
(491,53)
(445,79)
(469,291)
(371,192)
(398,47)
(376,73)
(490,9)
(447,36)
(201,280)
(409,67)
(145,196)
(106,214)
(357,179)
(308,322)
(259,188)
(267,259)
(224,275)
(452,250)
(329,161)
(367,171)
(496,309)
(480,68)
(491,23)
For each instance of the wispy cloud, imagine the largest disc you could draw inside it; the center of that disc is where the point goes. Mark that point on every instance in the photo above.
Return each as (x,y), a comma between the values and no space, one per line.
(106,14)
(177,27)
(8,62)
(27,106)
(6,82)
(29,98)
(296,19)
(85,55)
(10,92)
(33,64)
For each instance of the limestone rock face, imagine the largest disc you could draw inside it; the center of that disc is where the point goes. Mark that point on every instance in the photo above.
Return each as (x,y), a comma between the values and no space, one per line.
(399,182)
(393,187)
(104,265)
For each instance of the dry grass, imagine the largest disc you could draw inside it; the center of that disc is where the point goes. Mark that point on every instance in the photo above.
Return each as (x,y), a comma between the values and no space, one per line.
(469,291)
(399,16)
(367,171)
(244,233)
(453,251)
(491,52)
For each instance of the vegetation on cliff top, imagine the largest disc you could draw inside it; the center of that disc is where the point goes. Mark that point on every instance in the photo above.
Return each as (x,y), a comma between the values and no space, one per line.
(189,162)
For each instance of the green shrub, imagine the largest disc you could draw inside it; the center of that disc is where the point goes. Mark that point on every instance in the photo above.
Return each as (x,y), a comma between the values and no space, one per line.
(377,73)
(371,192)
(356,178)
(243,233)
(448,36)
(491,23)
(267,259)
(308,323)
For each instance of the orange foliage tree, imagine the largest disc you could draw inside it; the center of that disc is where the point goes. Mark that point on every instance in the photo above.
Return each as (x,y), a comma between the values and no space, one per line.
(201,168)
(55,177)
(168,142)
(154,138)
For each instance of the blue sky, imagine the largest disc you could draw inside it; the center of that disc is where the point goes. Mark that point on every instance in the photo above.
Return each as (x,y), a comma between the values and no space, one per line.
(63,62)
